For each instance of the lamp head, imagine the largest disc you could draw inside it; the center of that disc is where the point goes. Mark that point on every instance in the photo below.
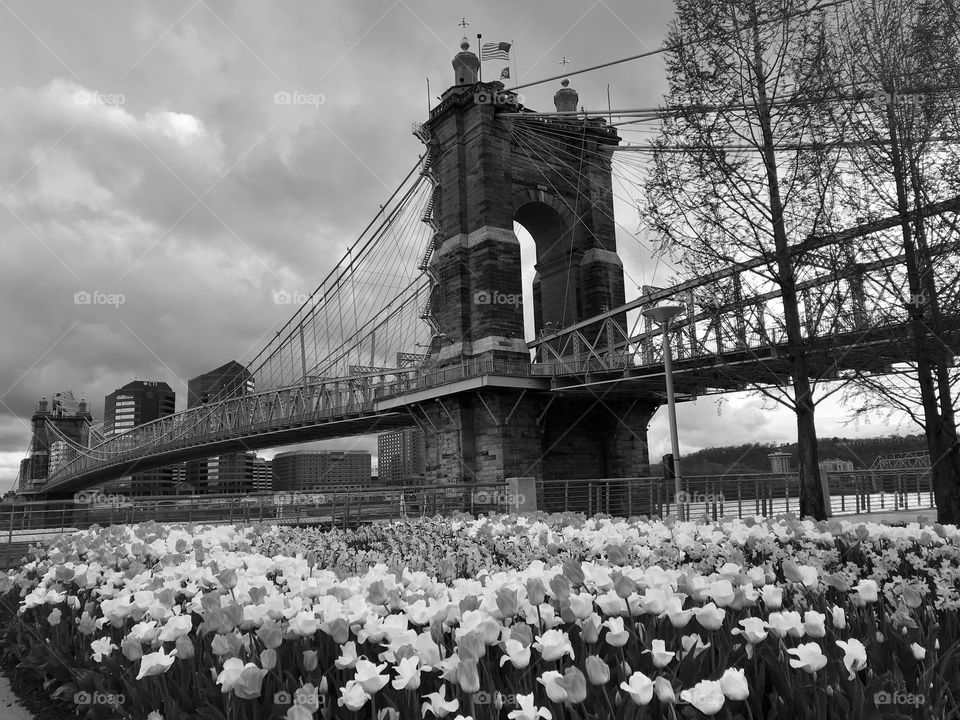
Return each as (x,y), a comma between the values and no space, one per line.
(664,313)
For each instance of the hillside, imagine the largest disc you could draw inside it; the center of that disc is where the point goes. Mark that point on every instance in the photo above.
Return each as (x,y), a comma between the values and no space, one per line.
(753,458)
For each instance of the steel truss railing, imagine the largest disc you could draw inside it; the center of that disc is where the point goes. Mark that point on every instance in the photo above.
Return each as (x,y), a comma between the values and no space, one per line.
(735,311)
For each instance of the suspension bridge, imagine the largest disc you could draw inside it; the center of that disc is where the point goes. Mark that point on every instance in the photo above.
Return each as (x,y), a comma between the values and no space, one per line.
(421,322)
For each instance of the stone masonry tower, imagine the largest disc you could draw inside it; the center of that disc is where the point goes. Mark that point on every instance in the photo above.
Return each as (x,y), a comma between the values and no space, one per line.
(492,168)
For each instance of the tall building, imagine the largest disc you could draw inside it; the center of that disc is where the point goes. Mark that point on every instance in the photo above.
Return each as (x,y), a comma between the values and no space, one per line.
(137,403)
(321,469)
(224,473)
(262,474)
(401,457)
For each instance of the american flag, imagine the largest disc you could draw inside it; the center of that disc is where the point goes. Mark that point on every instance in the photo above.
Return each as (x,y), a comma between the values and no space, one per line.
(495,51)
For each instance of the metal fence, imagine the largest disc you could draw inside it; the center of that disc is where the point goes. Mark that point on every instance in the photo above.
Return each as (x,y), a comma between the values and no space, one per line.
(851,493)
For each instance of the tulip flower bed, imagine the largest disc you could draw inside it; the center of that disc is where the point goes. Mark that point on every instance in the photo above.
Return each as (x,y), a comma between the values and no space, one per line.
(499,617)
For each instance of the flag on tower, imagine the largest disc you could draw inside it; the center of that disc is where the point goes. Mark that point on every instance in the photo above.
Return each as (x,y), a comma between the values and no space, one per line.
(495,51)
(505,74)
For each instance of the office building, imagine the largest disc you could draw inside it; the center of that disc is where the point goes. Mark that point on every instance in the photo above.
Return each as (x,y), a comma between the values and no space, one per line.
(224,473)
(303,470)
(136,403)
(400,457)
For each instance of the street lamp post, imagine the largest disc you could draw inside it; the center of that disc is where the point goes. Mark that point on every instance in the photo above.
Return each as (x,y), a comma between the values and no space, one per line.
(662,315)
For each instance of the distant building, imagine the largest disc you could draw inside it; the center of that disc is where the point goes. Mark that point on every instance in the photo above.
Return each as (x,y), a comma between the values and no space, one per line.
(400,457)
(310,469)
(225,473)
(835,465)
(779,462)
(262,474)
(227,381)
(137,403)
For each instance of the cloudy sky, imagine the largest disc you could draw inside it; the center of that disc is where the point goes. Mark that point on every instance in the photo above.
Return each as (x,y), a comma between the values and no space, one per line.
(142,155)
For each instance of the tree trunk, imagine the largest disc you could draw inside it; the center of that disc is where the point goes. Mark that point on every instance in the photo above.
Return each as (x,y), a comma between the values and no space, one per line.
(945,461)
(940,444)
(812,500)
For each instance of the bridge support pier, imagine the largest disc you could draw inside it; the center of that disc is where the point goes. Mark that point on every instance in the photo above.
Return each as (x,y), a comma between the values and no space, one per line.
(495,434)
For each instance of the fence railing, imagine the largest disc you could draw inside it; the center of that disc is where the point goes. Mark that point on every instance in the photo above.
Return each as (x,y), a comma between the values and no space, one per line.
(851,493)
(25,521)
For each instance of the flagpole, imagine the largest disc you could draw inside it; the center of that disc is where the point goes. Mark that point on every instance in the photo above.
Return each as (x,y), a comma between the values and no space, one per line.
(480,55)
(428,97)
(514,61)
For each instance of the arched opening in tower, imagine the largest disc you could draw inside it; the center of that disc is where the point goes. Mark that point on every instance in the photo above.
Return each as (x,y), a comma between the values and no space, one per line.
(550,272)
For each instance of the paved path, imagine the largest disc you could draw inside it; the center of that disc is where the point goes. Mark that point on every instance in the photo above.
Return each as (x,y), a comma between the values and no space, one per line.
(10,707)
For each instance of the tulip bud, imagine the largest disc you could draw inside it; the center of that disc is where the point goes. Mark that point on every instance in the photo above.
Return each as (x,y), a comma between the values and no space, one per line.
(185,647)
(268,659)
(536,592)
(131,649)
(228,578)
(590,631)
(597,671)
(575,685)
(309,660)
(624,586)
(664,691)
(377,593)
(507,602)
(560,587)
(573,571)
(468,676)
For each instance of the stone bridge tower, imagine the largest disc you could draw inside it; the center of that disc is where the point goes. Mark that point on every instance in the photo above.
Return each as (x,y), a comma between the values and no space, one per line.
(560,190)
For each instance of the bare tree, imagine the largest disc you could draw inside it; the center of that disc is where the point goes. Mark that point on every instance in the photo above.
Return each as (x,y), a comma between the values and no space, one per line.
(754,175)
(900,64)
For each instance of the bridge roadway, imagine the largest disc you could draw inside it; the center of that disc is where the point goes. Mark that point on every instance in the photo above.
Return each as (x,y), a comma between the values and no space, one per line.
(372,403)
